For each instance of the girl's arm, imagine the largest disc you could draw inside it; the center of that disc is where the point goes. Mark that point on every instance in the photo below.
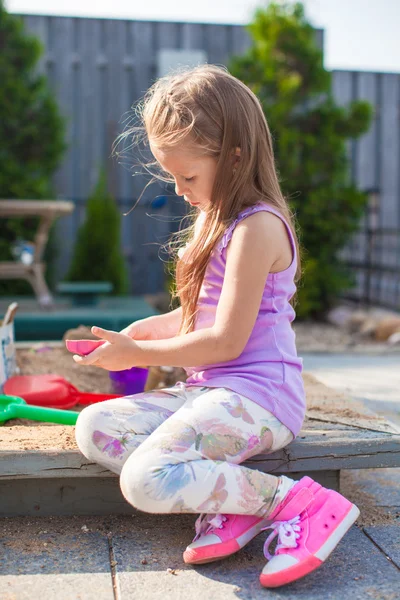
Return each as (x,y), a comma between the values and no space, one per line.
(158,327)
(256,245)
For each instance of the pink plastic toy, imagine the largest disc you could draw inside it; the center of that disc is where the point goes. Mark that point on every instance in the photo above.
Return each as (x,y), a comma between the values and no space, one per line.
(83,347)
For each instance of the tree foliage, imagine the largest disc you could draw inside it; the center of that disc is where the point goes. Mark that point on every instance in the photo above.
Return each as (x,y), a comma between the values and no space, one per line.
(284,67)
(31,132)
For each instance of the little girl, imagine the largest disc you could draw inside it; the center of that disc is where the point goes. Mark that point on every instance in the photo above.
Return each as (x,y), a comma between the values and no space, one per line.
(178,450)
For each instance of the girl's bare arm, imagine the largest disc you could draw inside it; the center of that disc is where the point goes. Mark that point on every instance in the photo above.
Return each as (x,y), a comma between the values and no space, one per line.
(158,327)
(256,245)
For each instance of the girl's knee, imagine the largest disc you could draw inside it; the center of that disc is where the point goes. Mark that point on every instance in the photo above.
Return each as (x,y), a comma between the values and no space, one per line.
(144,483)
(134,481)
(88,421)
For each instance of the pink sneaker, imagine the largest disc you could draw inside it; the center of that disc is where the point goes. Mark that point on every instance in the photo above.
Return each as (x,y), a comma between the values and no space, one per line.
(310,522)
(218,536)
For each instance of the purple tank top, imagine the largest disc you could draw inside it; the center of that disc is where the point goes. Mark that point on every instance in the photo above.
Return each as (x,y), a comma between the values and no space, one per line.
(268,371)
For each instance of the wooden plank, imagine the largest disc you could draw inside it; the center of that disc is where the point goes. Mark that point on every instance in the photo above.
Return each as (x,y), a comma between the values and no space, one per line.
(64,89)
(319,38)
(25,208)
(389,183)
(385,282)
(91,496)
(66,496)
(366,155)
(362,423)
(128,98)
(37,25)
(241,40)
(166,35)
(193,36)
(47,465)
(144,39)
(123,165)
(77,98)
(217,44)
(115,30)
(88,112)
(103,70)
(333,455)
(312,451)
(342,89)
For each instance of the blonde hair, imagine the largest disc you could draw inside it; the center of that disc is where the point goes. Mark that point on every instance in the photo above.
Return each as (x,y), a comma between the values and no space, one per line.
(215,113)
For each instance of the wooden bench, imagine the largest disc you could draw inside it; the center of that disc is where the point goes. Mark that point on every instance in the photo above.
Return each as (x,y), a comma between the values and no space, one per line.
(338,434)
(48,211)
(84,293)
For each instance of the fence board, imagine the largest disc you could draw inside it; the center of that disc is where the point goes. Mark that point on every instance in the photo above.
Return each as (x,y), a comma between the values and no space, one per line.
(342,89)
(193,36)
(145,40)
(389,144)
(64,86)
(241,40)
(217,40)
(89,110)
(38,27)
(366,169)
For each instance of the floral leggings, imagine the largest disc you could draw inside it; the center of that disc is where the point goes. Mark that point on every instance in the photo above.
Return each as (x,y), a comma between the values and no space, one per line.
(178,450)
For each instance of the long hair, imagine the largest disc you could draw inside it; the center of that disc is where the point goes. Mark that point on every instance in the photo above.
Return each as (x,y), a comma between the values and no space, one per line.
(215,113)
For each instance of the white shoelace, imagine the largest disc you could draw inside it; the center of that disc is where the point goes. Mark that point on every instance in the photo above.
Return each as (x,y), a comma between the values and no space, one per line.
(206,523)
(287,532)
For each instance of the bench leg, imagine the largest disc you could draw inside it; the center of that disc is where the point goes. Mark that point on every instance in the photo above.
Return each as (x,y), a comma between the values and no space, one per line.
(329,479)
(38,282)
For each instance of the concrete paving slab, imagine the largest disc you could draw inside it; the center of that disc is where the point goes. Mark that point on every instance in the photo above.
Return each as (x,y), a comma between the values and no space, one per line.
(382,484)
(55,567)
(149,566)
(387,537)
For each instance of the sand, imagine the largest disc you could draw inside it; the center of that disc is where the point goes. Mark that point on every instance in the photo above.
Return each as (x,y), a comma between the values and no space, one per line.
(324,404)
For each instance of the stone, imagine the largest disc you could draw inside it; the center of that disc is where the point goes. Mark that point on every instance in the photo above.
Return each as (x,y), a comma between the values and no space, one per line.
(54,565)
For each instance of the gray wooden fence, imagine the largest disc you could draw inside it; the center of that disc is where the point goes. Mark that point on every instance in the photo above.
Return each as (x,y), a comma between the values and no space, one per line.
(374,252)
(98,68)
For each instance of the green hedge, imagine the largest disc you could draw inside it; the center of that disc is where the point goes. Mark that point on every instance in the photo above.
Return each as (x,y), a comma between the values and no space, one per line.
(97,253)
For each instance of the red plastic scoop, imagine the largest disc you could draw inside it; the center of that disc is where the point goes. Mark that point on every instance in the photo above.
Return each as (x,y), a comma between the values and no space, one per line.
(52,391)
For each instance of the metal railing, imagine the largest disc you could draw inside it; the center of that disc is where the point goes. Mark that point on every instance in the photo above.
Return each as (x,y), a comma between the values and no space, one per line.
(373,255)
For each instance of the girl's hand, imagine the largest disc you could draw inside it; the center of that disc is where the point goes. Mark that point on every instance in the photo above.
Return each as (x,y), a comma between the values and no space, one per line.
(120,352)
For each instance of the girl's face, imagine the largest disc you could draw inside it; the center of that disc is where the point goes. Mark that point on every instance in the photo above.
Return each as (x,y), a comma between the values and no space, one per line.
(194,174)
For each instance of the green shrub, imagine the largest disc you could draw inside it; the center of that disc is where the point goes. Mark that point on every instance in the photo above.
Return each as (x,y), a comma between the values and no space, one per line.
(97,253)
(284,67)
(31,133)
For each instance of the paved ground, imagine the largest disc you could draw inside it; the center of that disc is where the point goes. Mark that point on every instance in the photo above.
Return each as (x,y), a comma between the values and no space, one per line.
(139,556)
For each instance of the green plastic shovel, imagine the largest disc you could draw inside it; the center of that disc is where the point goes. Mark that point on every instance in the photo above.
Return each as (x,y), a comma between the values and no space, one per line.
(13,407)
